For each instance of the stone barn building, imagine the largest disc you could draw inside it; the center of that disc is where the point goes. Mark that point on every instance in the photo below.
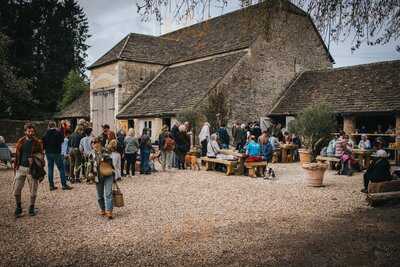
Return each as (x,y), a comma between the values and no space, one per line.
(364,95)
(252,55)
(78,109)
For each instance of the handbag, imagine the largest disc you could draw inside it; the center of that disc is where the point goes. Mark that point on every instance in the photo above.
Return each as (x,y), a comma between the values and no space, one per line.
(105,169)
(118,197)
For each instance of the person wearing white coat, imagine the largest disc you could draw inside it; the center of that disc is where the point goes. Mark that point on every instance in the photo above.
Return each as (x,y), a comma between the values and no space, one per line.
(204,138)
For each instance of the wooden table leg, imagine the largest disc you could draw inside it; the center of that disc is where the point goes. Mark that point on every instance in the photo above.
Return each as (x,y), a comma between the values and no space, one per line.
(229,169)
(240,167)
(284,155)
(209,166)
(252,172)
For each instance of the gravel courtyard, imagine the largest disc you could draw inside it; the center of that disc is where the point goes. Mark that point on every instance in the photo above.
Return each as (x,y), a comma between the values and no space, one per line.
(203,218)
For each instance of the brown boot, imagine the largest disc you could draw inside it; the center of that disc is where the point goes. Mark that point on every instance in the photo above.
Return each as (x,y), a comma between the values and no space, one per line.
(108,215)
(102,213)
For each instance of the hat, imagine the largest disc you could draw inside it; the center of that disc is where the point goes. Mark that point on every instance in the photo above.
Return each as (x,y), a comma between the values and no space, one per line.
(381,153)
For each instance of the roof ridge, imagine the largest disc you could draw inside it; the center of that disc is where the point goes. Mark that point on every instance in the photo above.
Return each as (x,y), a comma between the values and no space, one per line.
(124,46)
(253,6)
(355,66)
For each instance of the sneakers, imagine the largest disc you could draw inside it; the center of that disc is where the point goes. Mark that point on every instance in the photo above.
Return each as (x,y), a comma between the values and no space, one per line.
(18,212)
(32,211)
(67,187)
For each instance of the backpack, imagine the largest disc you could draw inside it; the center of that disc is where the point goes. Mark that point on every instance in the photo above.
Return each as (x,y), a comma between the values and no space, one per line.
(169,144)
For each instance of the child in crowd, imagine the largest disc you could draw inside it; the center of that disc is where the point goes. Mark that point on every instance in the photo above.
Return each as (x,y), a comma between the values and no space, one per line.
(116,159)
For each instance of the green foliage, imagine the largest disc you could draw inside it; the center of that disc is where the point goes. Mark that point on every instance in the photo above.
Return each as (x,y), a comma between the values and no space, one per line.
(14,93)
(314,124)
(74,86)
(47,41)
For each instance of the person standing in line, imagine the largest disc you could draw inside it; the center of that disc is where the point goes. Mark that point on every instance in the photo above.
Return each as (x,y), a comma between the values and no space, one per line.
(85,147)
(131,148)
(104,135)
(103,183)
(204,138)
(120,149)
(65,154)
(182,146)
(175,134)
(75,154)
(167,146)
(145,150)
(52,142)
(116,159)
(223,136)
(27,147)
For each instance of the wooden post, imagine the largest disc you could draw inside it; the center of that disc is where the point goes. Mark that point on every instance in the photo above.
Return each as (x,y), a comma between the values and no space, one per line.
(349,124)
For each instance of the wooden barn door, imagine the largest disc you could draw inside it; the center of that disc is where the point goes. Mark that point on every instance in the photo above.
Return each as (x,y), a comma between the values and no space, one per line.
(103,110)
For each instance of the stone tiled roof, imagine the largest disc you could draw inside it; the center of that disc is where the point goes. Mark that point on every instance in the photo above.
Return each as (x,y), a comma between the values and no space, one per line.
(80,108)
(229,32)
(364,88)
(180,87)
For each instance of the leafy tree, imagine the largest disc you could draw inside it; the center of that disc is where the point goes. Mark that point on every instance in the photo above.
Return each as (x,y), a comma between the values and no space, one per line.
(73,86)
(370,21)
(14,93)
(47,41)
(314,125)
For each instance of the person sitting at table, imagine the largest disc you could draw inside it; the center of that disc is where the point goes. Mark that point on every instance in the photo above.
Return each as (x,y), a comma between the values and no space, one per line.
(364,142)
(390,130)
(213,148)
(253,150)
(266,147)
(363,130)
(350,142)
(3,145)
(340,145)
(287,139)
(379,129)
(274,142)
(378,171)
(330,150)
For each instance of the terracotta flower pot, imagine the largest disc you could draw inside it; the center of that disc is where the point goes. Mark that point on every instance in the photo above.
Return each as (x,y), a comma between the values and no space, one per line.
(305,156)
(315,173)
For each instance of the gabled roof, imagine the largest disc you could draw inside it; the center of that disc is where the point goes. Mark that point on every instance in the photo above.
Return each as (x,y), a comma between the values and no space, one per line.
(80,108)
(180,87)
(229,32)
(357,89)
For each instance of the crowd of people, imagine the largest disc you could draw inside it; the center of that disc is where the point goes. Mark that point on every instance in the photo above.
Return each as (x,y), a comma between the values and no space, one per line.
(257,145)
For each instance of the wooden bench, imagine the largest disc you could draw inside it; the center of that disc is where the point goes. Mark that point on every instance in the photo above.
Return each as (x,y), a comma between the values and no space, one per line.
(210,164)
(331,160)
(255,167)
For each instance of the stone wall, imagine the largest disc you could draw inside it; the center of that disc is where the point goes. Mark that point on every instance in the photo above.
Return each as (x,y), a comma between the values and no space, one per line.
(12,130)
(259,79)
(133,76)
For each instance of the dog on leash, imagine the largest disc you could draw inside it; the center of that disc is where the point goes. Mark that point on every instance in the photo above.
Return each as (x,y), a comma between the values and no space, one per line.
(191,162)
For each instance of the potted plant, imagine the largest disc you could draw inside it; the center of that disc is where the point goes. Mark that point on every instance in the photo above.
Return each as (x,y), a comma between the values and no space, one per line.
(314,125)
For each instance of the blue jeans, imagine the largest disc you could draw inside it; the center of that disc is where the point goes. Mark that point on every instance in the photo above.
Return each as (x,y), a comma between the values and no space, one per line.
(144,160)
(58,160)
(104,193)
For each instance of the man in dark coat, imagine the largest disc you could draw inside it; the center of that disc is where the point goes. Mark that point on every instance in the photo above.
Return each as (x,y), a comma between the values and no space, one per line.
(52,142)
(378,171)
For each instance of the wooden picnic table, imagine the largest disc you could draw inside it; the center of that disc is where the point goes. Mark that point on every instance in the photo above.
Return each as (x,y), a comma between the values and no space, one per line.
(241,159)
(284,151)
(364,156)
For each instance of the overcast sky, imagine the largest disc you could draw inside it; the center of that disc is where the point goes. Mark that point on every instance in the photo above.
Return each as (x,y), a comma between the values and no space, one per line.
(110,21)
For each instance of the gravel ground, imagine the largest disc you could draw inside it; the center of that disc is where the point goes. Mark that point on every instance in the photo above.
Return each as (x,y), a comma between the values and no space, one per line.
(203,218)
